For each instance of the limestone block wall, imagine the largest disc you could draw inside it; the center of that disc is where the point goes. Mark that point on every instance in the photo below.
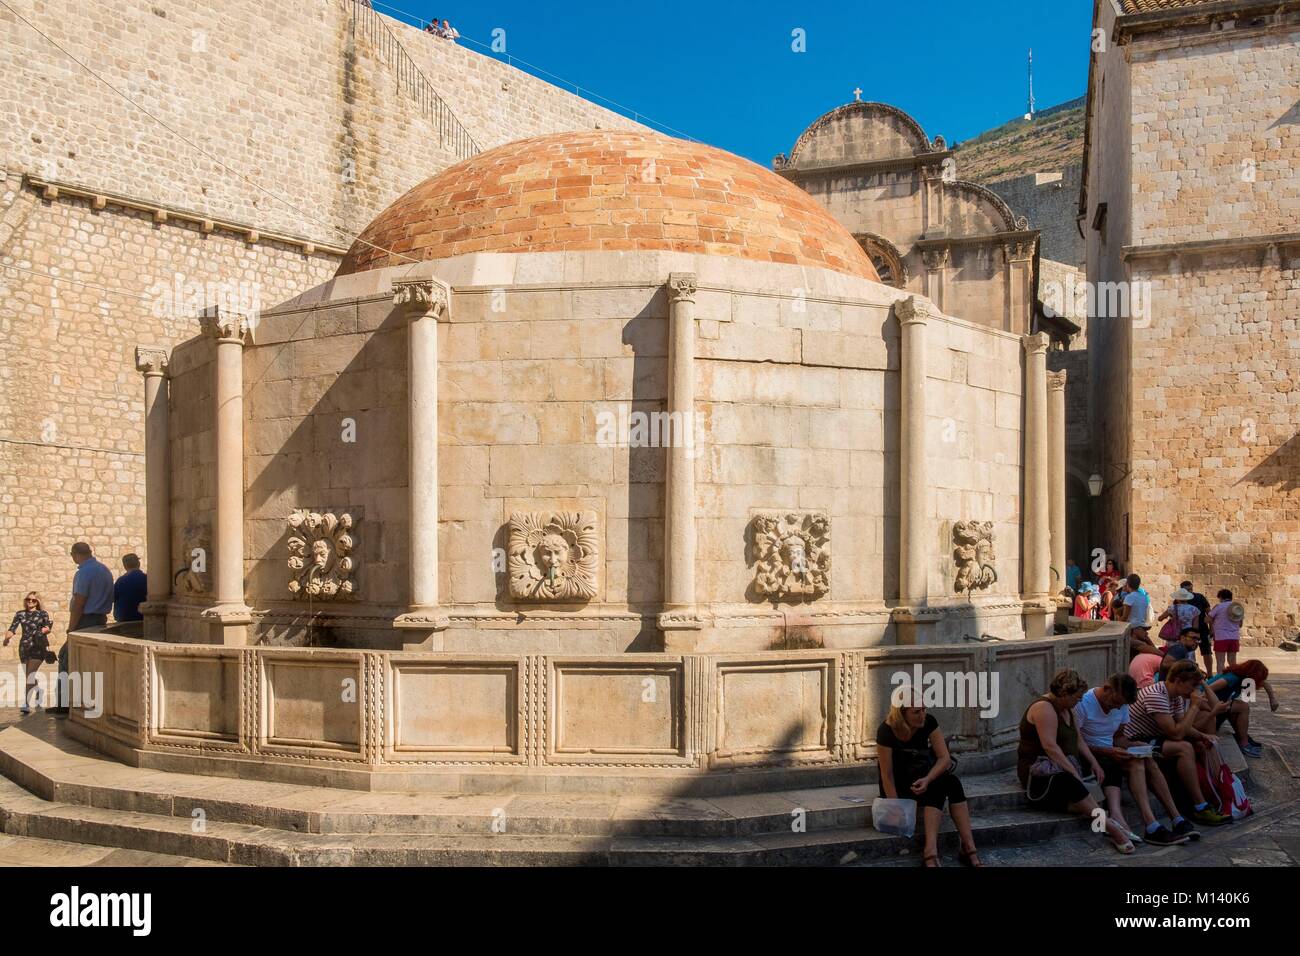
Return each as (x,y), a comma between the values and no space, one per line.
(298,127)
(1215,139)
(973,435)
(1216,461)
(1050,201)
(539,381)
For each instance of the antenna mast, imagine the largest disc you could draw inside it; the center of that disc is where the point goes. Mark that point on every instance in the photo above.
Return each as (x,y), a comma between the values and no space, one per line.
(1030,114)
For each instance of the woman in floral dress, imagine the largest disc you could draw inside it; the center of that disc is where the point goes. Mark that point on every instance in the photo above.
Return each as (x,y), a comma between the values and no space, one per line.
(34,645)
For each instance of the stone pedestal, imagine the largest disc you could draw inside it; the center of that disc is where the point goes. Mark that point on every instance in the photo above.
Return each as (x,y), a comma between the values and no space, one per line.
(680,621)
(1056,477)
(426,303)
(229,617)
(152,362)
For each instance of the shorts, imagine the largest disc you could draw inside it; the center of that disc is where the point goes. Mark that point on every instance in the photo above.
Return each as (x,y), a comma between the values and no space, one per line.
(945,789)
(1227,646)
(1056,791)
(1112,773)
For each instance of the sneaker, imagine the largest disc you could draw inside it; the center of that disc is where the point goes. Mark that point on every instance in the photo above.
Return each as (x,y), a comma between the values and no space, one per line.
(1210,817)
(1163,836)
(1184,828)
(1253,750)
(24,710)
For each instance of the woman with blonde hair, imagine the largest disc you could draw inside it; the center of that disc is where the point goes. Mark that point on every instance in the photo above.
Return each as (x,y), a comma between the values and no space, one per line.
(1048,759)
(914,764)
(34,645)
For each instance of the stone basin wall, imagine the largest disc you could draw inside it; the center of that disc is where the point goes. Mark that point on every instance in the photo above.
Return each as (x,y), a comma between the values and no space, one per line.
(471,722)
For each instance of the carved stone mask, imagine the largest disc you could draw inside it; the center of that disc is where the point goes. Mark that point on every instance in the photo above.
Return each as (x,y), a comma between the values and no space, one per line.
(553,552)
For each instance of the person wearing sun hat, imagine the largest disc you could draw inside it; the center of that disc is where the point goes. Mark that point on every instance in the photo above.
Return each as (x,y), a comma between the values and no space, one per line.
(1182,613)
(1225,627)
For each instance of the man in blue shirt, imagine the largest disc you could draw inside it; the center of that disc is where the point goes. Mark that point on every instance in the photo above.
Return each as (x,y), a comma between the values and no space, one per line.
(1073,575)
(92,590)
(92,599)
(130,591)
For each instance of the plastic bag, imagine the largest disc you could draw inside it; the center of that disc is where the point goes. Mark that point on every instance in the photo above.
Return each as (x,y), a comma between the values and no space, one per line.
(894,816)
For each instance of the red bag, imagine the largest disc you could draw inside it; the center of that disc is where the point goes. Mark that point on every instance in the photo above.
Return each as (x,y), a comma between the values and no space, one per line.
(1231,794)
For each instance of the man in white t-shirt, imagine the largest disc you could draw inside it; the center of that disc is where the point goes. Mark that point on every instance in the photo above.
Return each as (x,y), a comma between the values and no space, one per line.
(1100,717)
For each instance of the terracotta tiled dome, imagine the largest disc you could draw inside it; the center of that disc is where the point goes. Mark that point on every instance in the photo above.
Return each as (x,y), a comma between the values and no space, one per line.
(608,190)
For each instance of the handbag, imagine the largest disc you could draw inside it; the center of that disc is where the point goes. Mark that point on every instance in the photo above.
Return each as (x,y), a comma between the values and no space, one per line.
(1169,633)
(1045,766)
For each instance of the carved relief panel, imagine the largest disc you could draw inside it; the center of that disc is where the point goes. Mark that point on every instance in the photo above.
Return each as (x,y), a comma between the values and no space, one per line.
(791,555)
(320,555)
(973,552)
(553,555)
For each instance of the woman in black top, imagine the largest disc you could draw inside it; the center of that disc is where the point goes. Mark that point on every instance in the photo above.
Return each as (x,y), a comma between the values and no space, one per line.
(915,765)
(35,625)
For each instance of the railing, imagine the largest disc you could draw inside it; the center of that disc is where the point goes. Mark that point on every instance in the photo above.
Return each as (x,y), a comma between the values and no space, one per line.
(452,134)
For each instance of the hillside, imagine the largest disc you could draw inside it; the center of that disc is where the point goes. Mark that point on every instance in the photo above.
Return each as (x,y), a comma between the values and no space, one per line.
(1053,140)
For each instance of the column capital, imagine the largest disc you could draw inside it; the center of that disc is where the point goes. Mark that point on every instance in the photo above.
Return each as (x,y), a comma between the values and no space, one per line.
(1056,381)
(937,257)
(913,310)
(1020,249)
(682,286)
(423,297)
(151,361)
(225,325)
(1036,343)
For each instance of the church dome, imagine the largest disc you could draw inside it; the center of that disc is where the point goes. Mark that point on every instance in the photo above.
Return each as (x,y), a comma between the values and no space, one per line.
(608,190)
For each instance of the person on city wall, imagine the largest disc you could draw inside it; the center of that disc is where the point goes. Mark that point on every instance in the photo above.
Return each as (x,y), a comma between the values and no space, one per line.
(914,764)
(1050,754)
(34,646)
(92,600)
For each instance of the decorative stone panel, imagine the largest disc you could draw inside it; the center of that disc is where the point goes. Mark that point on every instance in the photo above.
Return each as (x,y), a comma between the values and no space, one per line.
(791,555)
(553,556)
(320,555)
(973,552)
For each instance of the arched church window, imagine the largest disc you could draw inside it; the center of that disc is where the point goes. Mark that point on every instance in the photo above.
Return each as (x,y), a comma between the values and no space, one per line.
(885,257)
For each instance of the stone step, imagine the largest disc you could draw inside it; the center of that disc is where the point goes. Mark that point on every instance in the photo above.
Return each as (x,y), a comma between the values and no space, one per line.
(26,815)
(64,772)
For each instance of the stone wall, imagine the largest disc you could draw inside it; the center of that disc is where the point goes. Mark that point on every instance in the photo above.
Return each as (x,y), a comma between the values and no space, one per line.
(1050,201)
(538,376)
(1197,401)
(298,128)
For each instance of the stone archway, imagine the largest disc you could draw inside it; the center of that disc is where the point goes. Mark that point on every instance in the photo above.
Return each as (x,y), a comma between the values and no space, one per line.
(884,255)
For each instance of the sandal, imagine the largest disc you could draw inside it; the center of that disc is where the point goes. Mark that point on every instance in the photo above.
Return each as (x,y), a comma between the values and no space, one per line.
(970,858)
(925,860)
(1124,848)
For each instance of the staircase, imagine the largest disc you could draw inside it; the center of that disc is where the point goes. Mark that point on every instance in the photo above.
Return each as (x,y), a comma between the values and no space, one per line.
(363,21)
(56,789)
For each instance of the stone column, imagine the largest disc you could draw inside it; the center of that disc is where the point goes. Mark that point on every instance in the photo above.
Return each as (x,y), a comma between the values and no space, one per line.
(1036,556)
(229,617)
(152,363)
(914,557)
(1020,281)
(936,274)
(425,302)
(680,621)
(1056,477)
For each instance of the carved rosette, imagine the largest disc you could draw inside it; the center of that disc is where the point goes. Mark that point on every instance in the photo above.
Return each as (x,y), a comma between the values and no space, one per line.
(225,325)
(973,552)
(421,297)
(791,555)
(320,555)
(553,555)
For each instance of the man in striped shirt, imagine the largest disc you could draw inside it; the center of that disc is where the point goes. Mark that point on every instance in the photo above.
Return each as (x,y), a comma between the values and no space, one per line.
(1164,714)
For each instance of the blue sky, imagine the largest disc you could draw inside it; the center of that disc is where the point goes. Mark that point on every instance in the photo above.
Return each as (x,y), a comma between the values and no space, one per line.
(724,72)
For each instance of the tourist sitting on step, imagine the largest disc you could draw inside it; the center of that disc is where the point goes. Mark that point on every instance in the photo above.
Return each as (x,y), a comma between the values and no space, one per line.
(1235,687)
(914,764)
(1145,669)
(1164,716)
(1135,608)
(1048,758)
(1100,717)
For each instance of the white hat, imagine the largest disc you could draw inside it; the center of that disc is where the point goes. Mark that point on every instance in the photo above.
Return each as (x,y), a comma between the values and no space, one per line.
(1182,594)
